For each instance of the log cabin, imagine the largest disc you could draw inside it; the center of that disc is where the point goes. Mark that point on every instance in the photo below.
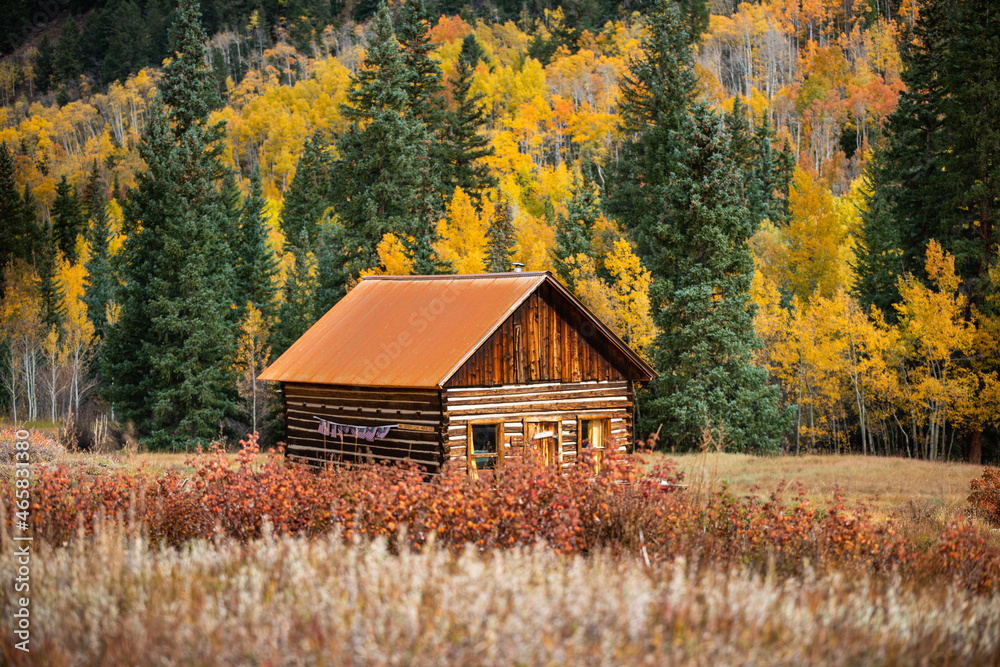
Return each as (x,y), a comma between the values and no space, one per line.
(480,368)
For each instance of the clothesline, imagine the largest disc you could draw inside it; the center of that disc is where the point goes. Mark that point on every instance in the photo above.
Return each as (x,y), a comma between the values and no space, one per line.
(368,433)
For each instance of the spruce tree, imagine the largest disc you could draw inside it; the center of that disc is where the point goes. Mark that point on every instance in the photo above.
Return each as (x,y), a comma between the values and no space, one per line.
(936,175)
(168,357)
(100,281)
(256,265)
(678,188)
(575,230)
(298,307)
(381,174)
(15,234)
(463,146)
(501,238)
(68,62)
(308,195)
(68,221)
(50,291)
(424,87)
(44,65)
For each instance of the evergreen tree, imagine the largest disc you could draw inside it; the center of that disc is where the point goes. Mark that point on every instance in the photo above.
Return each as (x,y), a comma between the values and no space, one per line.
(68,220)
(129,48)
(767,173)
(424,87)
(51,293)
(677,188)
(256,265)
(936,175)
(168,357)
(463,146)
(15,233)
(298,308)
(331,274)
(44,65)
(68,62)
(381,174)
(99,282)
(308,196)
(575,231)
(501,238)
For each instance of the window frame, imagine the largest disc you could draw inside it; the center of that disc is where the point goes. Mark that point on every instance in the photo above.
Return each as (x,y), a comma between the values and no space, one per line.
(580,420)
(470,456)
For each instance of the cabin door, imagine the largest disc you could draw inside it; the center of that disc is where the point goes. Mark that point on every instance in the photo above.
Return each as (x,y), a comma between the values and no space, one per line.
(545,440)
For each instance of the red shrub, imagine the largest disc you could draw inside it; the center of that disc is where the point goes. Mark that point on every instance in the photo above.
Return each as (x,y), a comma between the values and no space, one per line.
(573,510)
(985,498)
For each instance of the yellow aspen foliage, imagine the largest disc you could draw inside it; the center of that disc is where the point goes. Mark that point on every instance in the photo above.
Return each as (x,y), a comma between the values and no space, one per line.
(590,288)
(394,260)
(462,234)
(632,318)
(78,331)
(252,354)
(815,260)
(535,240)
(934,333)
(622,303)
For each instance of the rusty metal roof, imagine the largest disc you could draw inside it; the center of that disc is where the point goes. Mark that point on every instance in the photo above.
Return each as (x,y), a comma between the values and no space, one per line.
(410,331)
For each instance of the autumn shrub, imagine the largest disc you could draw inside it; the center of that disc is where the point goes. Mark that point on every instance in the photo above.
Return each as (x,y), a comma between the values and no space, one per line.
(624,508)
(985,497)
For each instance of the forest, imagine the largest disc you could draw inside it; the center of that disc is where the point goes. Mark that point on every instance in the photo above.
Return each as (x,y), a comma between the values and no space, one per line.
(787,207)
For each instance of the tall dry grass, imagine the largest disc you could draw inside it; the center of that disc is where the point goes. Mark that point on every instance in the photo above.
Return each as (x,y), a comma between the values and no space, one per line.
(107,600)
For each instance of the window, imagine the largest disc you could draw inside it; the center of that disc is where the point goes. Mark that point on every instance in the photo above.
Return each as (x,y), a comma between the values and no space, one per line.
(593,434)
(485,447)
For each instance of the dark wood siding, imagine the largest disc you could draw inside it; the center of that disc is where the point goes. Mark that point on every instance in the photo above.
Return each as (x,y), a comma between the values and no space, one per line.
(354,406)
(545,339)
(561,402)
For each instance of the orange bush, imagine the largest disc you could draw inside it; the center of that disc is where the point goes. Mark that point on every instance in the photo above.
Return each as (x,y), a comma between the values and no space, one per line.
(621,509)
(985,498)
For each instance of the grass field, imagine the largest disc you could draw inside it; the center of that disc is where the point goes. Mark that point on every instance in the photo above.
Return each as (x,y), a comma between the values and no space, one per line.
(730,583)
(889,481)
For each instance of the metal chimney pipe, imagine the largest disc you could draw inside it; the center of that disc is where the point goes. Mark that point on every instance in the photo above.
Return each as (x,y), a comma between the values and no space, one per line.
(517,267)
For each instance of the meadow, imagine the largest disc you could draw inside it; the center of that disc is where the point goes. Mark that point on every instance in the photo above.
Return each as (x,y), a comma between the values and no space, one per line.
(239,558)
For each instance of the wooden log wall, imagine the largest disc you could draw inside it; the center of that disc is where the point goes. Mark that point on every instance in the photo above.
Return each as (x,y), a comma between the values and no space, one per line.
(559,402)
(544,339)
(355,406)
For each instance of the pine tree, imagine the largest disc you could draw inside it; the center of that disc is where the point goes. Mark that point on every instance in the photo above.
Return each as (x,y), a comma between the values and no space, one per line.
(256,265)
(99,282)
(936,175)
(168,357)
(15,235)
(50,292)
(68,221)
(501,238)
(575,230)
(44,65)
(463,145)
(298,308)
(424,87)
(677,188)
(382,172)
(68,62)
(308,195)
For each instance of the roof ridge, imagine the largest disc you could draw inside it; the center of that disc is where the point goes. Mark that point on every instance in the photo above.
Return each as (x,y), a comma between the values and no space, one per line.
(463,276)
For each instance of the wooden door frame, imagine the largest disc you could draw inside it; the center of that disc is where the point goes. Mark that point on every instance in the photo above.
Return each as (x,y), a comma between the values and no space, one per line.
(559,434)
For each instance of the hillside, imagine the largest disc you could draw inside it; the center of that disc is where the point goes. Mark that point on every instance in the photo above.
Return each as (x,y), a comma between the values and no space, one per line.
(809,89)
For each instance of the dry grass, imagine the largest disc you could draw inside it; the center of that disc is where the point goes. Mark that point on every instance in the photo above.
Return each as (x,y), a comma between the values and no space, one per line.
(290,601)
(890,481)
